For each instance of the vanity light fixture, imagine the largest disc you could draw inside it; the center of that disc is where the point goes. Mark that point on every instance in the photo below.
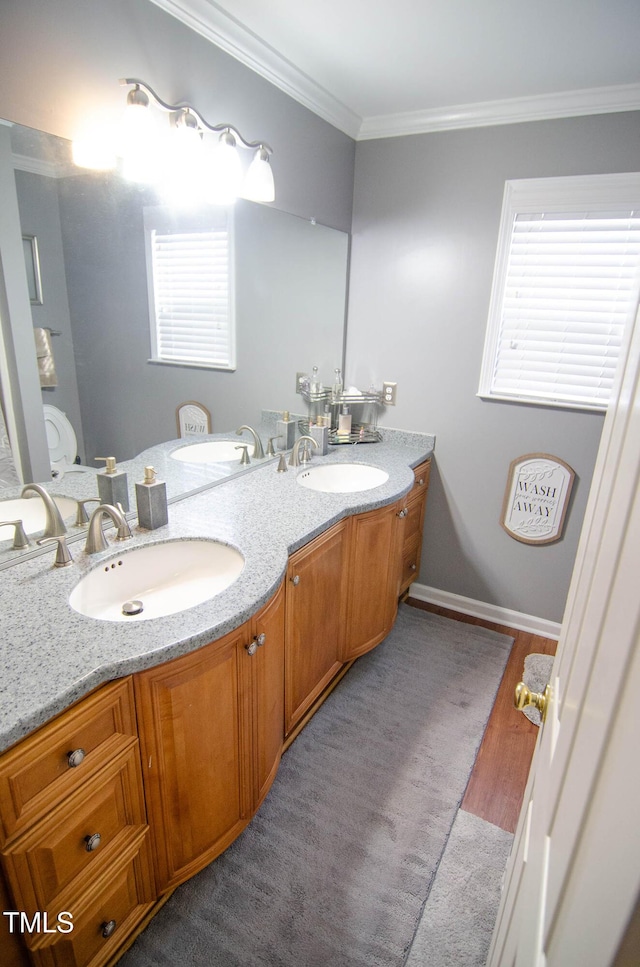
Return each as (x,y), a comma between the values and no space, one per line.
(183,156)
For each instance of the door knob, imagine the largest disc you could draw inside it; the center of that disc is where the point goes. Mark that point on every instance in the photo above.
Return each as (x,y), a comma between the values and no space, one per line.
(524,697)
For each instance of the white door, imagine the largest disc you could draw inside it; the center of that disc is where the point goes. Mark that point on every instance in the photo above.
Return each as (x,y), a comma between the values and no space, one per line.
(573,877)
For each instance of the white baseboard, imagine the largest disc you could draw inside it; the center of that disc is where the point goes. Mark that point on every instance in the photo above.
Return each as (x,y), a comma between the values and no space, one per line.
(489,612)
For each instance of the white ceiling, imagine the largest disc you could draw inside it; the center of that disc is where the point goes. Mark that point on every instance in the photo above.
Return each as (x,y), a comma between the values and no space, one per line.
(379,68)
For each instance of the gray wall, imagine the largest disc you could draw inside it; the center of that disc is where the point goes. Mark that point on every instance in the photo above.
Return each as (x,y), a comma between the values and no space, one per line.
(426,215)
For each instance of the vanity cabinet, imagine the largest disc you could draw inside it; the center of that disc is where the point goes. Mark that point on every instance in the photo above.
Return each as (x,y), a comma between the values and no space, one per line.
(73,830)
(415,504)
(317,578)
(211,732)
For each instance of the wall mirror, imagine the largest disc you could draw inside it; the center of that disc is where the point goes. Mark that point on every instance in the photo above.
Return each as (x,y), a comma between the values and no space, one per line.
(290,302)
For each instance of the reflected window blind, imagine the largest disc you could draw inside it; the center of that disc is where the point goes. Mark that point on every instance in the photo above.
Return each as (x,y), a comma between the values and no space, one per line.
(570,291)
(192,298)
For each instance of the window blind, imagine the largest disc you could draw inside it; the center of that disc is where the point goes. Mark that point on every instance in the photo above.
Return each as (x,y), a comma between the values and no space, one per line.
(192,297)
(570,291)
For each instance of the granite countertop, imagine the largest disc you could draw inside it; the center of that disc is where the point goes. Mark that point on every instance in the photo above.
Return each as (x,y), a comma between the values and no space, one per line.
(51,655)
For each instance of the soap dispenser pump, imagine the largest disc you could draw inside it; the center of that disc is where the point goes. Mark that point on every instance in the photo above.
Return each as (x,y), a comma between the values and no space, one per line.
(151,499)
(286,430)
(112,484)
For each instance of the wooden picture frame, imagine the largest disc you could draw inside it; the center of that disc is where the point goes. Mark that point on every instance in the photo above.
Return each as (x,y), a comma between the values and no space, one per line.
(536,498)
(32,264)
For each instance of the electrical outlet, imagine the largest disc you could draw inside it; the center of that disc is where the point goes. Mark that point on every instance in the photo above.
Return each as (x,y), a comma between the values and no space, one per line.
(389,391)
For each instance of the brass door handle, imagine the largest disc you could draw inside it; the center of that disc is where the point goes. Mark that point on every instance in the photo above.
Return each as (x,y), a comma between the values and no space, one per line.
(524,697)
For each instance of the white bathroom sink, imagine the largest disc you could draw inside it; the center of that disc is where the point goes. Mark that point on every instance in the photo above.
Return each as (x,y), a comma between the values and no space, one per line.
(31,511)
(342,478)
(211,451)
(156,580)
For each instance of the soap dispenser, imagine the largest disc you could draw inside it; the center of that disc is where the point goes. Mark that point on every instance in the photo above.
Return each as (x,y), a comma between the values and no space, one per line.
(112,484)
(286,430)
(151,499)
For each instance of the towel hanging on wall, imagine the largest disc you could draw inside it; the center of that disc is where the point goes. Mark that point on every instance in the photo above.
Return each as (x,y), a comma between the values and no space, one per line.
(46,362)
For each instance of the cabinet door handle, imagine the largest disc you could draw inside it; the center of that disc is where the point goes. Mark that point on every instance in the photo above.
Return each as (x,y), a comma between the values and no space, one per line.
(295,580)
(421,481)
(91,843)
(403,512)
(252,647)
(260,639)
(75,758)
(414,567)
(107,928)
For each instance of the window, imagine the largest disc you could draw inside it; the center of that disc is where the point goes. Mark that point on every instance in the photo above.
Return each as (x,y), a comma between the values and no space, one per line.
(565,290)
(190,281)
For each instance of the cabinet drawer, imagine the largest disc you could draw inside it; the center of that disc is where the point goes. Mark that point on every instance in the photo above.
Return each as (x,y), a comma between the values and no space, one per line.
(83,831)
(410,562)
(104,909)
(39,773)
(421,476)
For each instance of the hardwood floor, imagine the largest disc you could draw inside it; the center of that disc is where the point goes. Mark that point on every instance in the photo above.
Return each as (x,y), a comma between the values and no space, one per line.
(496,787)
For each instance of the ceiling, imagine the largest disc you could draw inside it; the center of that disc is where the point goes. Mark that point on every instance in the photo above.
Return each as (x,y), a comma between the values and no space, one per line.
(380,68)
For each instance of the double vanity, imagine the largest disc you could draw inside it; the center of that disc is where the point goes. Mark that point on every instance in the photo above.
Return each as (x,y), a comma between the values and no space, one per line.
(138,745)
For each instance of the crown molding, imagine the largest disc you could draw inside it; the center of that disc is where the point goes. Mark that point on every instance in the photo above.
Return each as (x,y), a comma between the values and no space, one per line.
(207,19)
(36,166)
(598,100)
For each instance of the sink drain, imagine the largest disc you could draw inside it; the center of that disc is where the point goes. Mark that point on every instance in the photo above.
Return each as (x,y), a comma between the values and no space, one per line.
(130,608)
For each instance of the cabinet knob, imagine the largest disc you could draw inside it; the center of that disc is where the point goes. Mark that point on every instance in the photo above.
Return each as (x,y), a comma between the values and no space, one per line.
(295,580)
(260,639)
(403,512)
(414,567)
(252,647)
(421,481)
(91,843)
(75,758)
(107,928)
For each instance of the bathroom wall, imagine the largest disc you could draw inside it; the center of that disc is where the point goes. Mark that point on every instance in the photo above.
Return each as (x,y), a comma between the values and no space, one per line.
(426,215)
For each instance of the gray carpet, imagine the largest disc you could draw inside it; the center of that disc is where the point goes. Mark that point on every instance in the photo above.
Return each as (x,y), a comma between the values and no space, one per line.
(460,912)
(334,869)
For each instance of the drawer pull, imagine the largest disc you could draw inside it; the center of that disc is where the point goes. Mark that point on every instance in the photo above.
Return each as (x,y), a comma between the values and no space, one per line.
(260,639)
(107,928)
(91,843)
(414,567)
(295,580)
(403,512)
(252,648)
(421,481)
(75,758)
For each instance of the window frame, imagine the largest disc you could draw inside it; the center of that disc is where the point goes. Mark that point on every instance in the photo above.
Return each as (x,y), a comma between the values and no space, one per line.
(166,220)
(564,194)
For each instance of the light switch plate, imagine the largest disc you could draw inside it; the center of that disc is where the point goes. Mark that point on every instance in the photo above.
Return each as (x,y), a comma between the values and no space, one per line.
(389,391)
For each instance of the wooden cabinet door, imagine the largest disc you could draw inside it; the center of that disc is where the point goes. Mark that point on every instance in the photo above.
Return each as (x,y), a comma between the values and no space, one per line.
(315,620)
(195,723)
(373,578)
(267,667)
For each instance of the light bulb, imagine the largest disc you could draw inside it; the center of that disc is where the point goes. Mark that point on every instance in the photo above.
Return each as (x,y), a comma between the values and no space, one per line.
(225,171)
(258,183)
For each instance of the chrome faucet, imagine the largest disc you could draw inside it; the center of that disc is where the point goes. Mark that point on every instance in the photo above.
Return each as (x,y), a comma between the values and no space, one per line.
(96,541)
(295,460)
(54,526)
(258,452)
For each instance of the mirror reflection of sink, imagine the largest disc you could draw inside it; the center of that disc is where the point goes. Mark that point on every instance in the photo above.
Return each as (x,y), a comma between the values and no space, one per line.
(30,510)
(154,580)
(342,478)
(211,451)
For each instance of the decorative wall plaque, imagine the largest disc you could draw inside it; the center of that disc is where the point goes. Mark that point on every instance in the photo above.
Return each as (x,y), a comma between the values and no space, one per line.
(536,498)
(193,418)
